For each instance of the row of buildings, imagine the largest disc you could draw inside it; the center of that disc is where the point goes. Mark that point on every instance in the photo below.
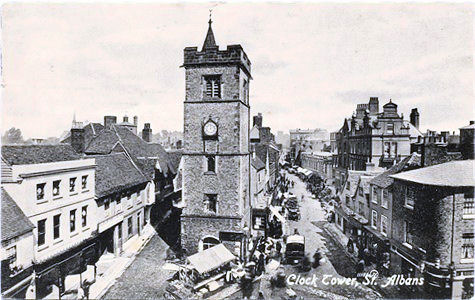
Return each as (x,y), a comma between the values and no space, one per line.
(65,206)
(406,197)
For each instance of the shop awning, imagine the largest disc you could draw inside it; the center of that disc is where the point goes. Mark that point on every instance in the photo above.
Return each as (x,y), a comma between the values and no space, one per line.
(211,258)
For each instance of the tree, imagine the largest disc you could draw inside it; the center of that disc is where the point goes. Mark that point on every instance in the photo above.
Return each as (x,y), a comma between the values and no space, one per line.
(12,136)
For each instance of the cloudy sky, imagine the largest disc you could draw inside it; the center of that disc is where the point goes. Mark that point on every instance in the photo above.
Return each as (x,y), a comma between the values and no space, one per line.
(311,63)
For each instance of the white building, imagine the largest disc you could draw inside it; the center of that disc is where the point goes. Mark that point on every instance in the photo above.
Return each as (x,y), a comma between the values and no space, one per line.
(55,189)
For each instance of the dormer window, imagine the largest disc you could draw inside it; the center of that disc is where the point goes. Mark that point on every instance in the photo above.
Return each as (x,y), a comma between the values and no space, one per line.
(213,86)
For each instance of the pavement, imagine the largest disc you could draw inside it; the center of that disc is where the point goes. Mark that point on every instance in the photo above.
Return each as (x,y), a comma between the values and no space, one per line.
(110,267)
(145,278)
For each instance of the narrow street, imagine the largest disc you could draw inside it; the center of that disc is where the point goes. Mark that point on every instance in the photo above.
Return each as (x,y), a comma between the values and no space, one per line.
(334,264)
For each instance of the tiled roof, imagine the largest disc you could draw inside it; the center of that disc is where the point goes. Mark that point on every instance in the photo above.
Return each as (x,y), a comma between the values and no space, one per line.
(175,156)
(14,221)
(454,173)
(38,154)
(116,172)
(90,131)
(384,180)
(257,163)
(136,147)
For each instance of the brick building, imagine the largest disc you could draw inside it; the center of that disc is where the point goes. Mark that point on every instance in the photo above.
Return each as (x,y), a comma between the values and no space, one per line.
(432,227)
(467,140)
(216,156)
(374,138)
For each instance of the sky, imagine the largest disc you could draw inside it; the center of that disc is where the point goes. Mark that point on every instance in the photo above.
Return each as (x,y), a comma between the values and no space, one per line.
(311,63)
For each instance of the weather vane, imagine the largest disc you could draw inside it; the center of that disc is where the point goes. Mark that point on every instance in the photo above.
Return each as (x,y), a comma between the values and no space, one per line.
(210,14)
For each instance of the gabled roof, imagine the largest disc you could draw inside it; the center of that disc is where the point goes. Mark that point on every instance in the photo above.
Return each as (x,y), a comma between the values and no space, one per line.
(254,134)
(175,156)
(114,173)
(453,174)
(384,180)
(14,221)
(118,138)
(38,154)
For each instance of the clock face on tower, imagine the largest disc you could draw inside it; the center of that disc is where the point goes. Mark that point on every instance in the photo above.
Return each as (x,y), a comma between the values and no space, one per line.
(210,129)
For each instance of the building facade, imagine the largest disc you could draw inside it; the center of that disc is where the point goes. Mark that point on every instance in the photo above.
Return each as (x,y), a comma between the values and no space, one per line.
(216,156)
(373,138)
(432,230)
(319,162)
(55,189)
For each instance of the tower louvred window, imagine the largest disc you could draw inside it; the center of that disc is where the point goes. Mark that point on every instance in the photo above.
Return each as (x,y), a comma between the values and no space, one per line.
(213,86)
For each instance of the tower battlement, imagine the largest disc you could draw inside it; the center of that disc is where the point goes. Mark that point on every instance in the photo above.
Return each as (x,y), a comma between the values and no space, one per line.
(234,54)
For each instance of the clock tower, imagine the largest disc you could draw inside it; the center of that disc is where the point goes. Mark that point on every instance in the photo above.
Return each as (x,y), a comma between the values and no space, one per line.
(216,157)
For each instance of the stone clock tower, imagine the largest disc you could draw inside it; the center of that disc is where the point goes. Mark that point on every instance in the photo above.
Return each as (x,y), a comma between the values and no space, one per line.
(216,147)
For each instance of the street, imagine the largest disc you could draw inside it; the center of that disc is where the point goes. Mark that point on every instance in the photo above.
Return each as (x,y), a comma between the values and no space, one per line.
(145,277)
(334,263)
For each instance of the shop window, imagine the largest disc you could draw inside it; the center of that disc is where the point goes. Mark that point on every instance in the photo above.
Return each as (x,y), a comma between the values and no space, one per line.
(56,186)
(40,191)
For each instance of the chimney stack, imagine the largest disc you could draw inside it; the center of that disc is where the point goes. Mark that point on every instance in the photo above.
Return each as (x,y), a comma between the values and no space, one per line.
(77,139)
(126,119)
(472,122)
(109,120)
(147,133)
(414,118)
(373,105)
(136,120)
(257,120)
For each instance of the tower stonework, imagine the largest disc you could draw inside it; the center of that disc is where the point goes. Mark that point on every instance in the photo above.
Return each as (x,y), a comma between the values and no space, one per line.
(216,156)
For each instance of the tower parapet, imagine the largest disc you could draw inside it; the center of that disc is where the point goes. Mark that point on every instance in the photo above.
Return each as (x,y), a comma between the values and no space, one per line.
(234,54)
